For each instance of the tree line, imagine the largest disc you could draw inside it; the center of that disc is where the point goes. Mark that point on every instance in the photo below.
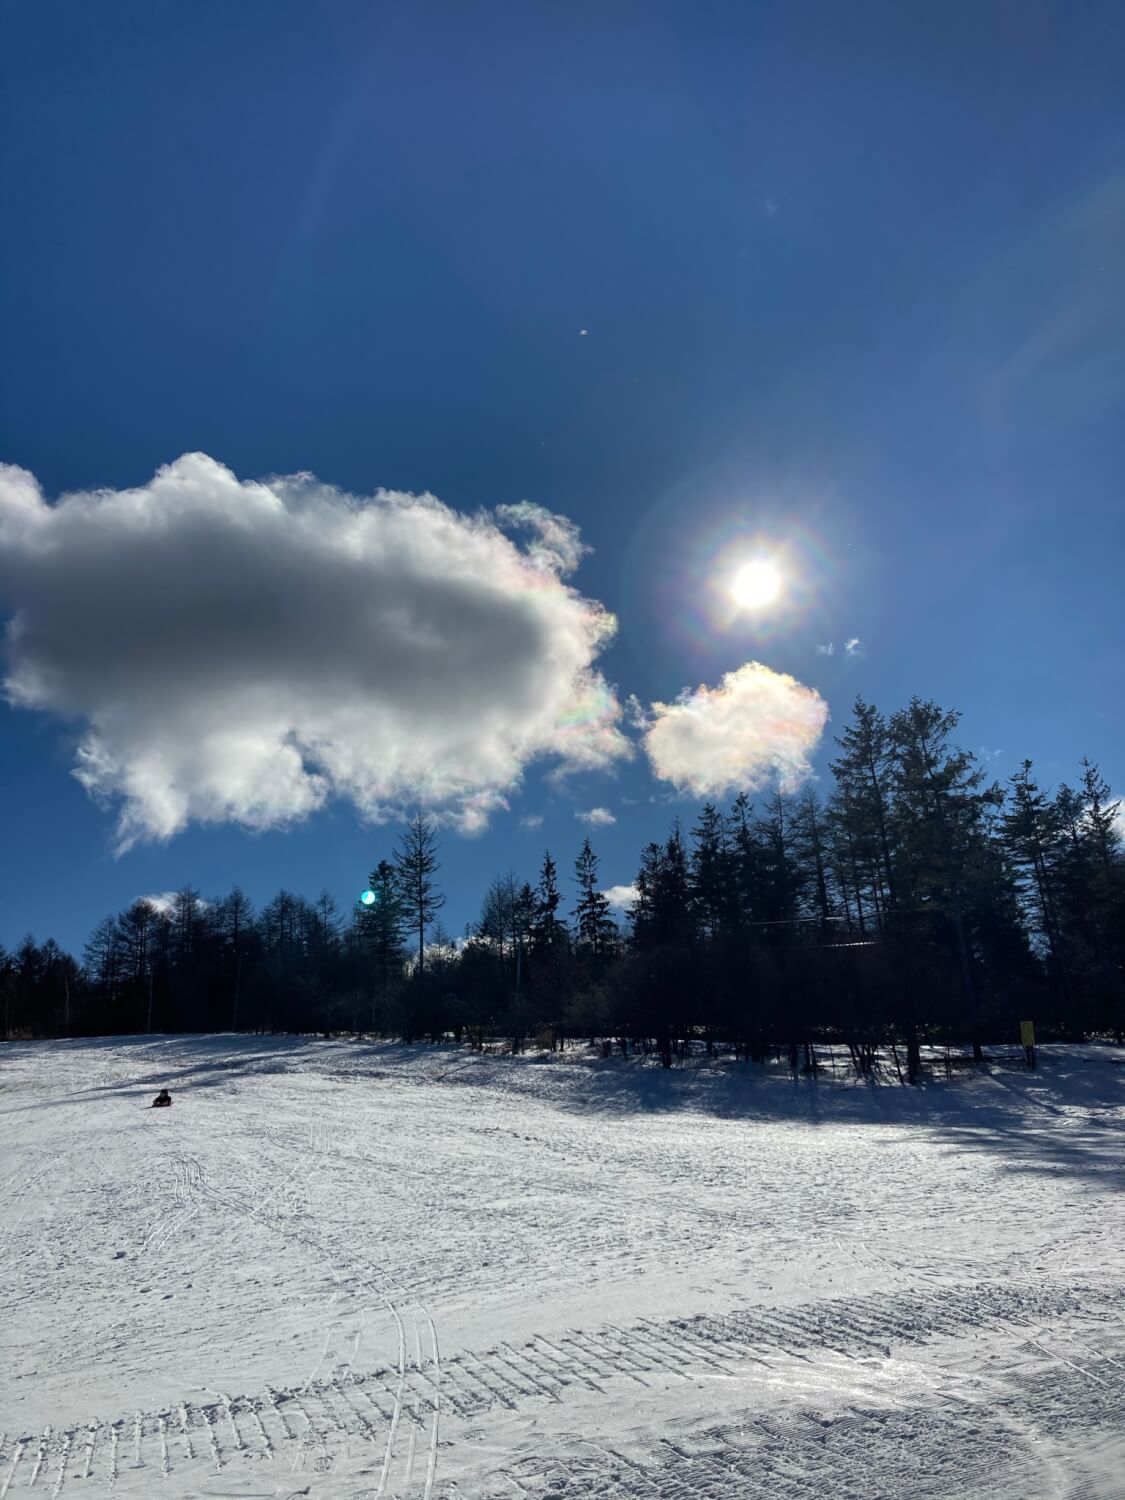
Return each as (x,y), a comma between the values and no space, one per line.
(915,903)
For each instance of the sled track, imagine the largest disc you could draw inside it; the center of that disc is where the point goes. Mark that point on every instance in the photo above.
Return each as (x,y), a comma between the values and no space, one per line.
(593,1240)
(328,1426)
(392,1411)
(186,1182)
(21,1185)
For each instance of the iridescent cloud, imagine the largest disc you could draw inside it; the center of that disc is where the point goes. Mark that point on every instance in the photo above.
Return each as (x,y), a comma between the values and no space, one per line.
(756,727)
(241,651)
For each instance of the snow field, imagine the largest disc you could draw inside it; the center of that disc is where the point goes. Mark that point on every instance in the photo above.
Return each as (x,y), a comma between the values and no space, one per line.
(353,1270)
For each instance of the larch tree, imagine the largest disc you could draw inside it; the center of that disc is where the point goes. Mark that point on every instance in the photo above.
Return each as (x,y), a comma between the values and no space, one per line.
(810,837)
(103,959)
(236,916)
(381,932)
(185,924)
(782,875)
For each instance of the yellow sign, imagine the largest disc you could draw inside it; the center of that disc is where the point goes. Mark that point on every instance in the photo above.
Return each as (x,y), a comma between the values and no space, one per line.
(1027,1033)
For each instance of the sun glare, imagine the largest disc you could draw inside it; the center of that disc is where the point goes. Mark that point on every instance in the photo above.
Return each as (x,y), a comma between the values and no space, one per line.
(756,584)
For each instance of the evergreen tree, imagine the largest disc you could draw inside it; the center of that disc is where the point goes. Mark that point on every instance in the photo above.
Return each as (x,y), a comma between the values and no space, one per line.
(548,932)
(415,864)
(863,795)
(1032,836)
(745,862)
(7,990)
(849,862)
(642,913)
(672,915)
(1102,822)
(1091,897)
(595,927)
(712,874)
(550,948)
(941,810)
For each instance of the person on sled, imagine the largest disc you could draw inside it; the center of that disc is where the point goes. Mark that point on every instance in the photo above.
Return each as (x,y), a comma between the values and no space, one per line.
(163,1100)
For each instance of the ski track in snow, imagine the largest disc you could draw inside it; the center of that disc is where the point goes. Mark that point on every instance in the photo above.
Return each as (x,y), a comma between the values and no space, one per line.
(555,1241)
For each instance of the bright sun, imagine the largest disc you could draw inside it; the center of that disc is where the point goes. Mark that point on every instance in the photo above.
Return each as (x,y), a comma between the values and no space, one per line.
(756,584)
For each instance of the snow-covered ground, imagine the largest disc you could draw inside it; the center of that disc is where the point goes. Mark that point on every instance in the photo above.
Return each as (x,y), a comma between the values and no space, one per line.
(344,1270)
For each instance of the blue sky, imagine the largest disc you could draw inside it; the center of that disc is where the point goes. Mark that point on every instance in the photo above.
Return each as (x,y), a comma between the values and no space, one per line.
(851,285)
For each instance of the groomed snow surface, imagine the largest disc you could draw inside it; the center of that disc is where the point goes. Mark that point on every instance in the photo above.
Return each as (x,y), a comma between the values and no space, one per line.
(340,1269)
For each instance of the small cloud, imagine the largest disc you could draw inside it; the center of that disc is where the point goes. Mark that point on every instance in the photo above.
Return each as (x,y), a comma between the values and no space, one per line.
(596,817)
(621,897)
(986,754)
(440,949)
(472,814)
(756,727)
(828,650)
(770,208)
(556,546)
(582,332)
(635,715)
(852,646)
(165,902)
(531,821)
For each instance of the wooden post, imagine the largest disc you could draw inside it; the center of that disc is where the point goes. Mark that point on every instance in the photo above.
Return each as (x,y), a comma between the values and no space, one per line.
(1027,1037)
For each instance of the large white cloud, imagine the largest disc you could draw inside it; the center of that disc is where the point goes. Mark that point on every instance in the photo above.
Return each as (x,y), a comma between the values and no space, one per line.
(757,726)
(241,651)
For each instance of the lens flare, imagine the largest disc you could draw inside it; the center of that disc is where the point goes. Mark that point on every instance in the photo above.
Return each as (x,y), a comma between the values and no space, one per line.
(690,546)
(368,898)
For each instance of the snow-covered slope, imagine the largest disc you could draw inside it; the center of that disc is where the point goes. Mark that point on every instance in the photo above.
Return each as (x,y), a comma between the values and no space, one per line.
(344,1270)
